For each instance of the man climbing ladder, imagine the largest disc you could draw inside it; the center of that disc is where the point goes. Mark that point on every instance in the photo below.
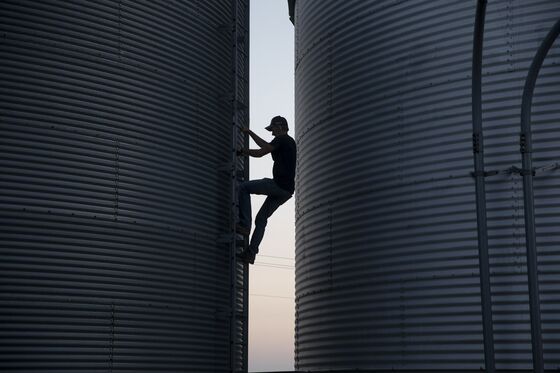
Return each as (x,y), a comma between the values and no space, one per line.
(278,190)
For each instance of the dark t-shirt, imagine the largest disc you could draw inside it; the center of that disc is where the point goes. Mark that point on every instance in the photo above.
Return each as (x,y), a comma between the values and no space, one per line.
(284,156)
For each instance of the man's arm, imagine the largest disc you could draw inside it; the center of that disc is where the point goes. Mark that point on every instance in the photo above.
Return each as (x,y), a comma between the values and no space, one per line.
(257,153)
(260,142)
(265,147)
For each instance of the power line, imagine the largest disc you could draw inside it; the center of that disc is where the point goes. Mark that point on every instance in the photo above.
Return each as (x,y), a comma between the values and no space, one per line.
(273,265)
(278,264)
(277,267)
(277,257)
(270,296)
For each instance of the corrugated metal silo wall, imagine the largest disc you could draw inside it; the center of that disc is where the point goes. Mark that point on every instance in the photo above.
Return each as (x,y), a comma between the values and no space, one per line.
(386,239)
(115,117)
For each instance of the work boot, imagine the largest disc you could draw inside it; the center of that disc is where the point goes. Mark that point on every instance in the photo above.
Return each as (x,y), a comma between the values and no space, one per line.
(244,231)
(248,256)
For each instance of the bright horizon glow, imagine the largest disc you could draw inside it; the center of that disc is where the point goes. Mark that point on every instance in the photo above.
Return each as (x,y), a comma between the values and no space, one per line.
(272,285)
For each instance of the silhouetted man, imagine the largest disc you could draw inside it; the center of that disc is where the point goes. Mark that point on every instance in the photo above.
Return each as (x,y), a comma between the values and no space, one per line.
(278,190)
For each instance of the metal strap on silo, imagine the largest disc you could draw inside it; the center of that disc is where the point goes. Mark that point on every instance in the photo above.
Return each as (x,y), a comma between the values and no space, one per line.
(528,197)
(484,173)
(534,171)
(514,170)
(549,167)
(520,171)
(479,174)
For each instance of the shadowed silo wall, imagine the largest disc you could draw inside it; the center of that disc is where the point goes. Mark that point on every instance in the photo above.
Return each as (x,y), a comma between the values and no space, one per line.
(386,239)
(114,117)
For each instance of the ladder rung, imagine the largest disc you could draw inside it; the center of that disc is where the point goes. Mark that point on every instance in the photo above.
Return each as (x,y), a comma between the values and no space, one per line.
(225,238)
(229,237)
(241,105)
(240,25)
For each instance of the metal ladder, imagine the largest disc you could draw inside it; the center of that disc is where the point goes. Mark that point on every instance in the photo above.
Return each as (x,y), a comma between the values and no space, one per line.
(239,171)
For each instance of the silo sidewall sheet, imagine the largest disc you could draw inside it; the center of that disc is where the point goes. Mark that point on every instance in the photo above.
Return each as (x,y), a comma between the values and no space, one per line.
(115,119)
(386,234)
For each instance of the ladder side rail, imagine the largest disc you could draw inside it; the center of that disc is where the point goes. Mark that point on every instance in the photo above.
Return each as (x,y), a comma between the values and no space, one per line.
(239,167)
(526,149)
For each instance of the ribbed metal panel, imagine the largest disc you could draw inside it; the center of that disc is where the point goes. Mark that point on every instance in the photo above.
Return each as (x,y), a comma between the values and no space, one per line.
(386,233)
(115,118)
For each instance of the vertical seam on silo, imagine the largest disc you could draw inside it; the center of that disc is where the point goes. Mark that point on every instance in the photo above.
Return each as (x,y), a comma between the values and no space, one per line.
(330,77)
(402,317)
(117,176)
(112,342)
(120,29)
(400,123)
(516,226)
(330,245)
(509,36)
(296,337)
(195,270)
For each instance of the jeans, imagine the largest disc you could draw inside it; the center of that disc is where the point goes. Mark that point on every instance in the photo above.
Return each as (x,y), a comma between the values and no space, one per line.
(276,197)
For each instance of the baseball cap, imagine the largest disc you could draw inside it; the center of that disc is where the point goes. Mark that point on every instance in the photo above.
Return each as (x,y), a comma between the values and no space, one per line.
(277,120)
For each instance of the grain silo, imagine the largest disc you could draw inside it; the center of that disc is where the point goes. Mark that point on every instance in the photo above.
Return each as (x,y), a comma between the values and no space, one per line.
(387,258)
(115,132)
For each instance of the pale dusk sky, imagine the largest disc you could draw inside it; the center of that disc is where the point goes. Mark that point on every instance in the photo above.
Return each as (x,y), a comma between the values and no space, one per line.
(272,307)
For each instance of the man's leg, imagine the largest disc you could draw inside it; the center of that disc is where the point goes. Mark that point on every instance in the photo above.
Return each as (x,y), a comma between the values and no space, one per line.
(245,205)
(269,206)
(247,188)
